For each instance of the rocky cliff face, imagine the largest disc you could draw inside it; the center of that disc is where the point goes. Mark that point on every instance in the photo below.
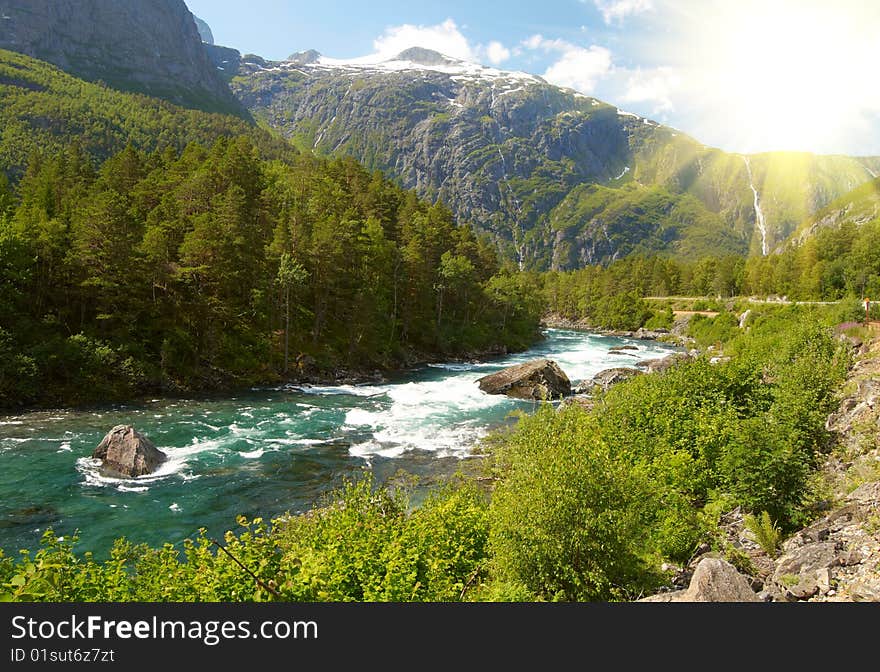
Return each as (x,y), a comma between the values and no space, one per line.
(859,206)
(147,46)
(522,159)
(204,30)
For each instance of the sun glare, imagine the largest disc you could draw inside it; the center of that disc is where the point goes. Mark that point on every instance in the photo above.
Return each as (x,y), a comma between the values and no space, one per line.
(784,75)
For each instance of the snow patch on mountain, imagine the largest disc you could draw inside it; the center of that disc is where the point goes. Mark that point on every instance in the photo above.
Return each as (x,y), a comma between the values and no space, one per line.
(414,59)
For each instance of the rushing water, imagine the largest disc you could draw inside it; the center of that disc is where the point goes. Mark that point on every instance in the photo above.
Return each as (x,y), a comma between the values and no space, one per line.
(261,453)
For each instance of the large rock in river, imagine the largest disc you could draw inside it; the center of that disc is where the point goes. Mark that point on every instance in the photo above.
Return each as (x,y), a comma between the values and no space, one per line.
(127,452)
(538,379)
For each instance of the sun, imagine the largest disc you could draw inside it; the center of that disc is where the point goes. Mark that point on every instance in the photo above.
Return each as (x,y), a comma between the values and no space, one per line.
(780,74)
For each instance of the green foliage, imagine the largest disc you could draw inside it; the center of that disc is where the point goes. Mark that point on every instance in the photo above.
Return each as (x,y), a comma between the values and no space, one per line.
(639,220)
(611,295)
(621,311)
(737,557)
(366,547)
(46,110)
(713,330)
(568,520)
(766,533)
(837,262)
(660,319)
(363,545)
(590,501)
(215,269)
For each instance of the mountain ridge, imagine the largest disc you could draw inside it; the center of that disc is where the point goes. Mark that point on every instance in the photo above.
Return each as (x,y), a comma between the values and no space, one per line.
(142,46)
(505,149)
(512,155)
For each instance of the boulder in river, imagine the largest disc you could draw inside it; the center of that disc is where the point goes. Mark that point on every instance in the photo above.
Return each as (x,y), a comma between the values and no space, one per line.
(538,379)
(126,452)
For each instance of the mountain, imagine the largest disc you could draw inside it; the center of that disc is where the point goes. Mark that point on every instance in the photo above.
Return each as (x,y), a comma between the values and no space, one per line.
(858,207)
(144,46)
(530,162)
(43,109)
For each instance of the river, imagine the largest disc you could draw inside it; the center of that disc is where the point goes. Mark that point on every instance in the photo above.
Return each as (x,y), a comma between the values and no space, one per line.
(259,453)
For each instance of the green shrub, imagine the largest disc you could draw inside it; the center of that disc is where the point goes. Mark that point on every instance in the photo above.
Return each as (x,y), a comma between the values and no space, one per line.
(621,311)
(763,470)
(708,331)
(568,520)
(362,546)
(661,319)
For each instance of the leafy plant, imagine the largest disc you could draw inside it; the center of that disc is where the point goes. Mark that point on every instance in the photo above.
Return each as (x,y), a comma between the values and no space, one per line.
(766,533)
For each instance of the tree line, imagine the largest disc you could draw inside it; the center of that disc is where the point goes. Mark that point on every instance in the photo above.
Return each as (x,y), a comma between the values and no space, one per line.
(835,263)
(210,267)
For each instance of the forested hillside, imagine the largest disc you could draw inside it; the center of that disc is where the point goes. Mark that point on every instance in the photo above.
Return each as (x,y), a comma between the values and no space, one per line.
(213,268)
(44,109)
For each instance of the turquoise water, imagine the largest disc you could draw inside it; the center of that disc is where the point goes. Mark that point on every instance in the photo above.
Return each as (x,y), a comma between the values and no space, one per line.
(260,453)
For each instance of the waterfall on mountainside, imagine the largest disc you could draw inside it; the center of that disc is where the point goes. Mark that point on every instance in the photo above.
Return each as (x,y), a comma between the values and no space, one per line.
(759,214)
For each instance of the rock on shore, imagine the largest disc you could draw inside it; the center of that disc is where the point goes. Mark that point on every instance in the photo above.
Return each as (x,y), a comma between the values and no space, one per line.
(606,378)
(714,580)
(664,363)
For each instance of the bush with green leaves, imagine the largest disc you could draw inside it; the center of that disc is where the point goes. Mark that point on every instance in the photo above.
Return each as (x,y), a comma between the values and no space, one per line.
(590,501)
(661,319)
(569,519)
(708,331)
(364,545)
(620,311)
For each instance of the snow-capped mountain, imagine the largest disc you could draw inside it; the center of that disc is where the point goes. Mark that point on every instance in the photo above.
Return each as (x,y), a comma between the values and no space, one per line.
(558,178)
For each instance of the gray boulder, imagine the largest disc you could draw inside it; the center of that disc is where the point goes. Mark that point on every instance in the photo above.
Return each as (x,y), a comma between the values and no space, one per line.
(537,380)
(124,451)
(714,580)
(664,363)
(806,559)
(608,377)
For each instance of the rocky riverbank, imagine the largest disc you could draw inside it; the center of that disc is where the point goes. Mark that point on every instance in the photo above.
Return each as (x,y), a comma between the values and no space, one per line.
(677,335)
(306,371)
(837,557)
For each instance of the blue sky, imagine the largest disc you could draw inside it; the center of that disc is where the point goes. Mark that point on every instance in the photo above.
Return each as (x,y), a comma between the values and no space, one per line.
(742,75)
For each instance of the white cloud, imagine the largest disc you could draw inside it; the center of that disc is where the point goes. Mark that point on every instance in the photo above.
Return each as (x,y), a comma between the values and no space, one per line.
(619,9)
(655,86)
(497,53)
(534,42)
(444,37)
(580,68)
(541,42)
(577,67)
